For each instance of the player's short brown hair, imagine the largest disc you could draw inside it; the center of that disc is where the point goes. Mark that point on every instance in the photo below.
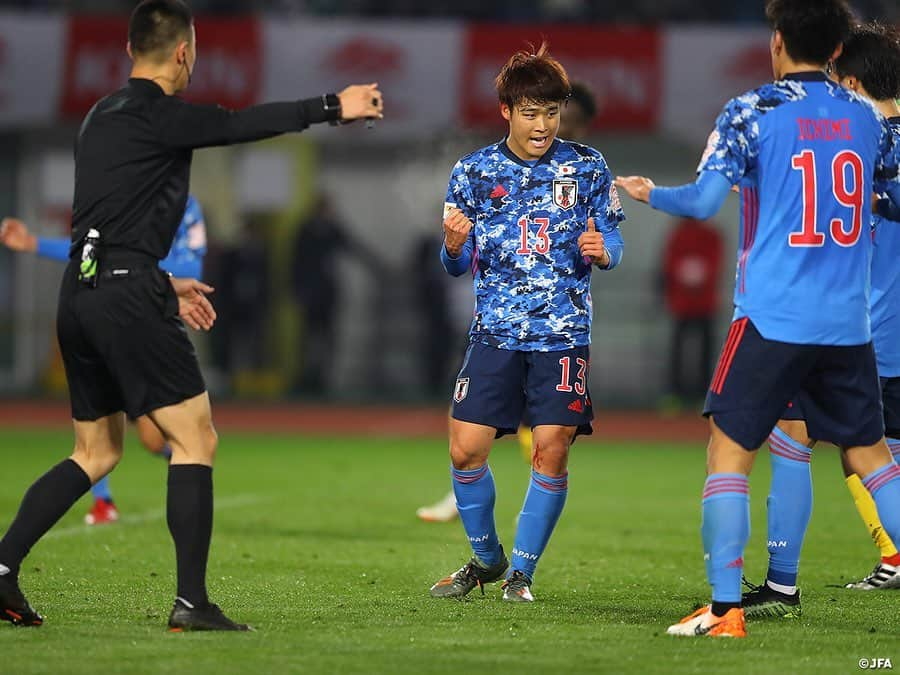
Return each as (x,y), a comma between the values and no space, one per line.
(532,76)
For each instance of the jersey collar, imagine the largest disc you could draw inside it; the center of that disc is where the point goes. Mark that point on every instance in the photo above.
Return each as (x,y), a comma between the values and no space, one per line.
(807,76)
(545,158)
(148,86)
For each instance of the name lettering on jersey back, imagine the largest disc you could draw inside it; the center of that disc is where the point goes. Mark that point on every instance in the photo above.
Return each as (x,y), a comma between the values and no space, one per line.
(824,129)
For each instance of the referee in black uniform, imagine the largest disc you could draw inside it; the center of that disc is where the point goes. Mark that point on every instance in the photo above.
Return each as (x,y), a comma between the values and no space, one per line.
(120,317)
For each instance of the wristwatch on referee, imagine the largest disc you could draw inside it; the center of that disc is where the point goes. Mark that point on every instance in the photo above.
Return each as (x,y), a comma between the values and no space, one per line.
(332,106)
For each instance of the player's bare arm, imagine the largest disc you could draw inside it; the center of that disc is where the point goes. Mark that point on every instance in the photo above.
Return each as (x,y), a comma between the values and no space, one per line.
(637,187)
(14,234)
(593,245)
(456,231)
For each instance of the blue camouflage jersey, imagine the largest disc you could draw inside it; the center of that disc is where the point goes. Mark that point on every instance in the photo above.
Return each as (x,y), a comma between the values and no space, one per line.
(185,258)
(532,285)
(804,152)
(885,298)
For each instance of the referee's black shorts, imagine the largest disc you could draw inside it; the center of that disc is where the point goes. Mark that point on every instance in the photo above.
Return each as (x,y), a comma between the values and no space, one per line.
(122,343)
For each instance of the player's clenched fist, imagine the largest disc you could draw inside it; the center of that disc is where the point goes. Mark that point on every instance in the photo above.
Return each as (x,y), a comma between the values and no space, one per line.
(361,101)
(637,187)
(456,231)
(593,246)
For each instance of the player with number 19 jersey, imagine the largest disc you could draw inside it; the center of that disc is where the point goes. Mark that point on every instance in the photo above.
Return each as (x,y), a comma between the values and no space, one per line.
(532,286)
(804,152)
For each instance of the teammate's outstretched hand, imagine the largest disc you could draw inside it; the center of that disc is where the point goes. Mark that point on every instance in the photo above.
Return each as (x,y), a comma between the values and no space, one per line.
(593,246)
(193,306)
(15,236)
(361,101)
(456,231)
(637,187)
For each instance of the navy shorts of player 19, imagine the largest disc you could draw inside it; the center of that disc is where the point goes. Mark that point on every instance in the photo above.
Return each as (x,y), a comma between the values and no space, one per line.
(757,379)
(802,407)
(495,386)
(122,343)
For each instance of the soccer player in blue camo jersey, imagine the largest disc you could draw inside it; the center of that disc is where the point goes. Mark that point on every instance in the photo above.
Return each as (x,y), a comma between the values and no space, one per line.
(869,64)
(529,216)
(804,152)
(185,260)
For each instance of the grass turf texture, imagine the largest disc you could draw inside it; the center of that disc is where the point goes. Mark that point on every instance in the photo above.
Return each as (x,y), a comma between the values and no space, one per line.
(317,546)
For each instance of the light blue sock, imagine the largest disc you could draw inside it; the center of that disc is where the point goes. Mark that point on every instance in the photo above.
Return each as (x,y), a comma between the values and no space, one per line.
(894,445)
(884,485)
(475,495)
(100,489)
(725,530)
(789,506)
(544,501)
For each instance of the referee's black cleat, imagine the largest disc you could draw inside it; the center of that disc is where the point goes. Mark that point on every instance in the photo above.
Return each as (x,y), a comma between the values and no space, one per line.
(14,607)
(185,617)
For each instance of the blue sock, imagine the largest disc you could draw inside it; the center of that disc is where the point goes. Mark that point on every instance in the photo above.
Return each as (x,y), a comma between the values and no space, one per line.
(544,501)
(100,489)
(475,495)
(725,529)
(789,506)
(884,485)
(166,451)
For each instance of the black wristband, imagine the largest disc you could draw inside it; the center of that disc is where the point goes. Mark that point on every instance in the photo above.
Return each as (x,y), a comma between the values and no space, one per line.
(320,109)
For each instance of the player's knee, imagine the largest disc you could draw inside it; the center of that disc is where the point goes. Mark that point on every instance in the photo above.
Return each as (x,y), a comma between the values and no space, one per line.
(551,456)
(466,458)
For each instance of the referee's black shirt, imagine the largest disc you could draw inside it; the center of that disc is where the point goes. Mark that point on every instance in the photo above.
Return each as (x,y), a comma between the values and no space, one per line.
(133,160)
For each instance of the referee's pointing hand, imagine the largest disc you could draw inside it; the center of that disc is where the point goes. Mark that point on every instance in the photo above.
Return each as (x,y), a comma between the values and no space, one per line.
(361,101)
(193,306)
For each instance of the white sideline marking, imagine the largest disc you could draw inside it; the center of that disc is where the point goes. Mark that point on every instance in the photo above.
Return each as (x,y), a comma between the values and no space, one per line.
(149,516)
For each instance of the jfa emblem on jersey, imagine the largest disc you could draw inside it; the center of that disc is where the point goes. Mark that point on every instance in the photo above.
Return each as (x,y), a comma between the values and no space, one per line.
(462,389)
(565,192)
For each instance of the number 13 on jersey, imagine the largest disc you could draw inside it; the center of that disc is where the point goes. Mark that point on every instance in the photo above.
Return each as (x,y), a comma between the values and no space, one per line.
(541,240)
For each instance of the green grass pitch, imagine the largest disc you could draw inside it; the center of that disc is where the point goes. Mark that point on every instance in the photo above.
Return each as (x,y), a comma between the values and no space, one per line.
(317,546)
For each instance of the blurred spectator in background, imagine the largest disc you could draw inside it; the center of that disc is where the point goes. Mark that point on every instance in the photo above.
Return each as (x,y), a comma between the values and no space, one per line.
(441,341)
(321,240)
(578,116)
(247,295)
(692,261)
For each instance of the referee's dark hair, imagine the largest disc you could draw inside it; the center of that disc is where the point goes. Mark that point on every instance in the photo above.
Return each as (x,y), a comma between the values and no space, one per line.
(872,55)
(158,25)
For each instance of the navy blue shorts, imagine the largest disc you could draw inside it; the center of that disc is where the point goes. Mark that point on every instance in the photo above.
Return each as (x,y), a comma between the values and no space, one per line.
(495,386)
(802,406)
(756,379)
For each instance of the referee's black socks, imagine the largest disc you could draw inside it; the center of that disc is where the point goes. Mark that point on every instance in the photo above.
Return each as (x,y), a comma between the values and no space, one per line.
(45,502)
(189,513)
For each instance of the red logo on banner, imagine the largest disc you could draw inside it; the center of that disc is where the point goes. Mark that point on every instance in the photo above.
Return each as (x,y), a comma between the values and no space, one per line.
(364,57)
(621,66)
(228,69)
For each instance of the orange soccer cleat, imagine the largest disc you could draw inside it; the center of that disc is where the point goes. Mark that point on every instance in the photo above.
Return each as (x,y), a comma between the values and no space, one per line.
(704,623)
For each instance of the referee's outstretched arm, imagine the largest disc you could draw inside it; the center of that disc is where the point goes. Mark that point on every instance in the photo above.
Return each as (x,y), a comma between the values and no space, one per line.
(124,347)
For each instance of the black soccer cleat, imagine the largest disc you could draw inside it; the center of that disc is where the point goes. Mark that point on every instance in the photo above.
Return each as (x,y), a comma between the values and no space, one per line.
(765,602)
(473,573)
(14,607)
(185,617)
